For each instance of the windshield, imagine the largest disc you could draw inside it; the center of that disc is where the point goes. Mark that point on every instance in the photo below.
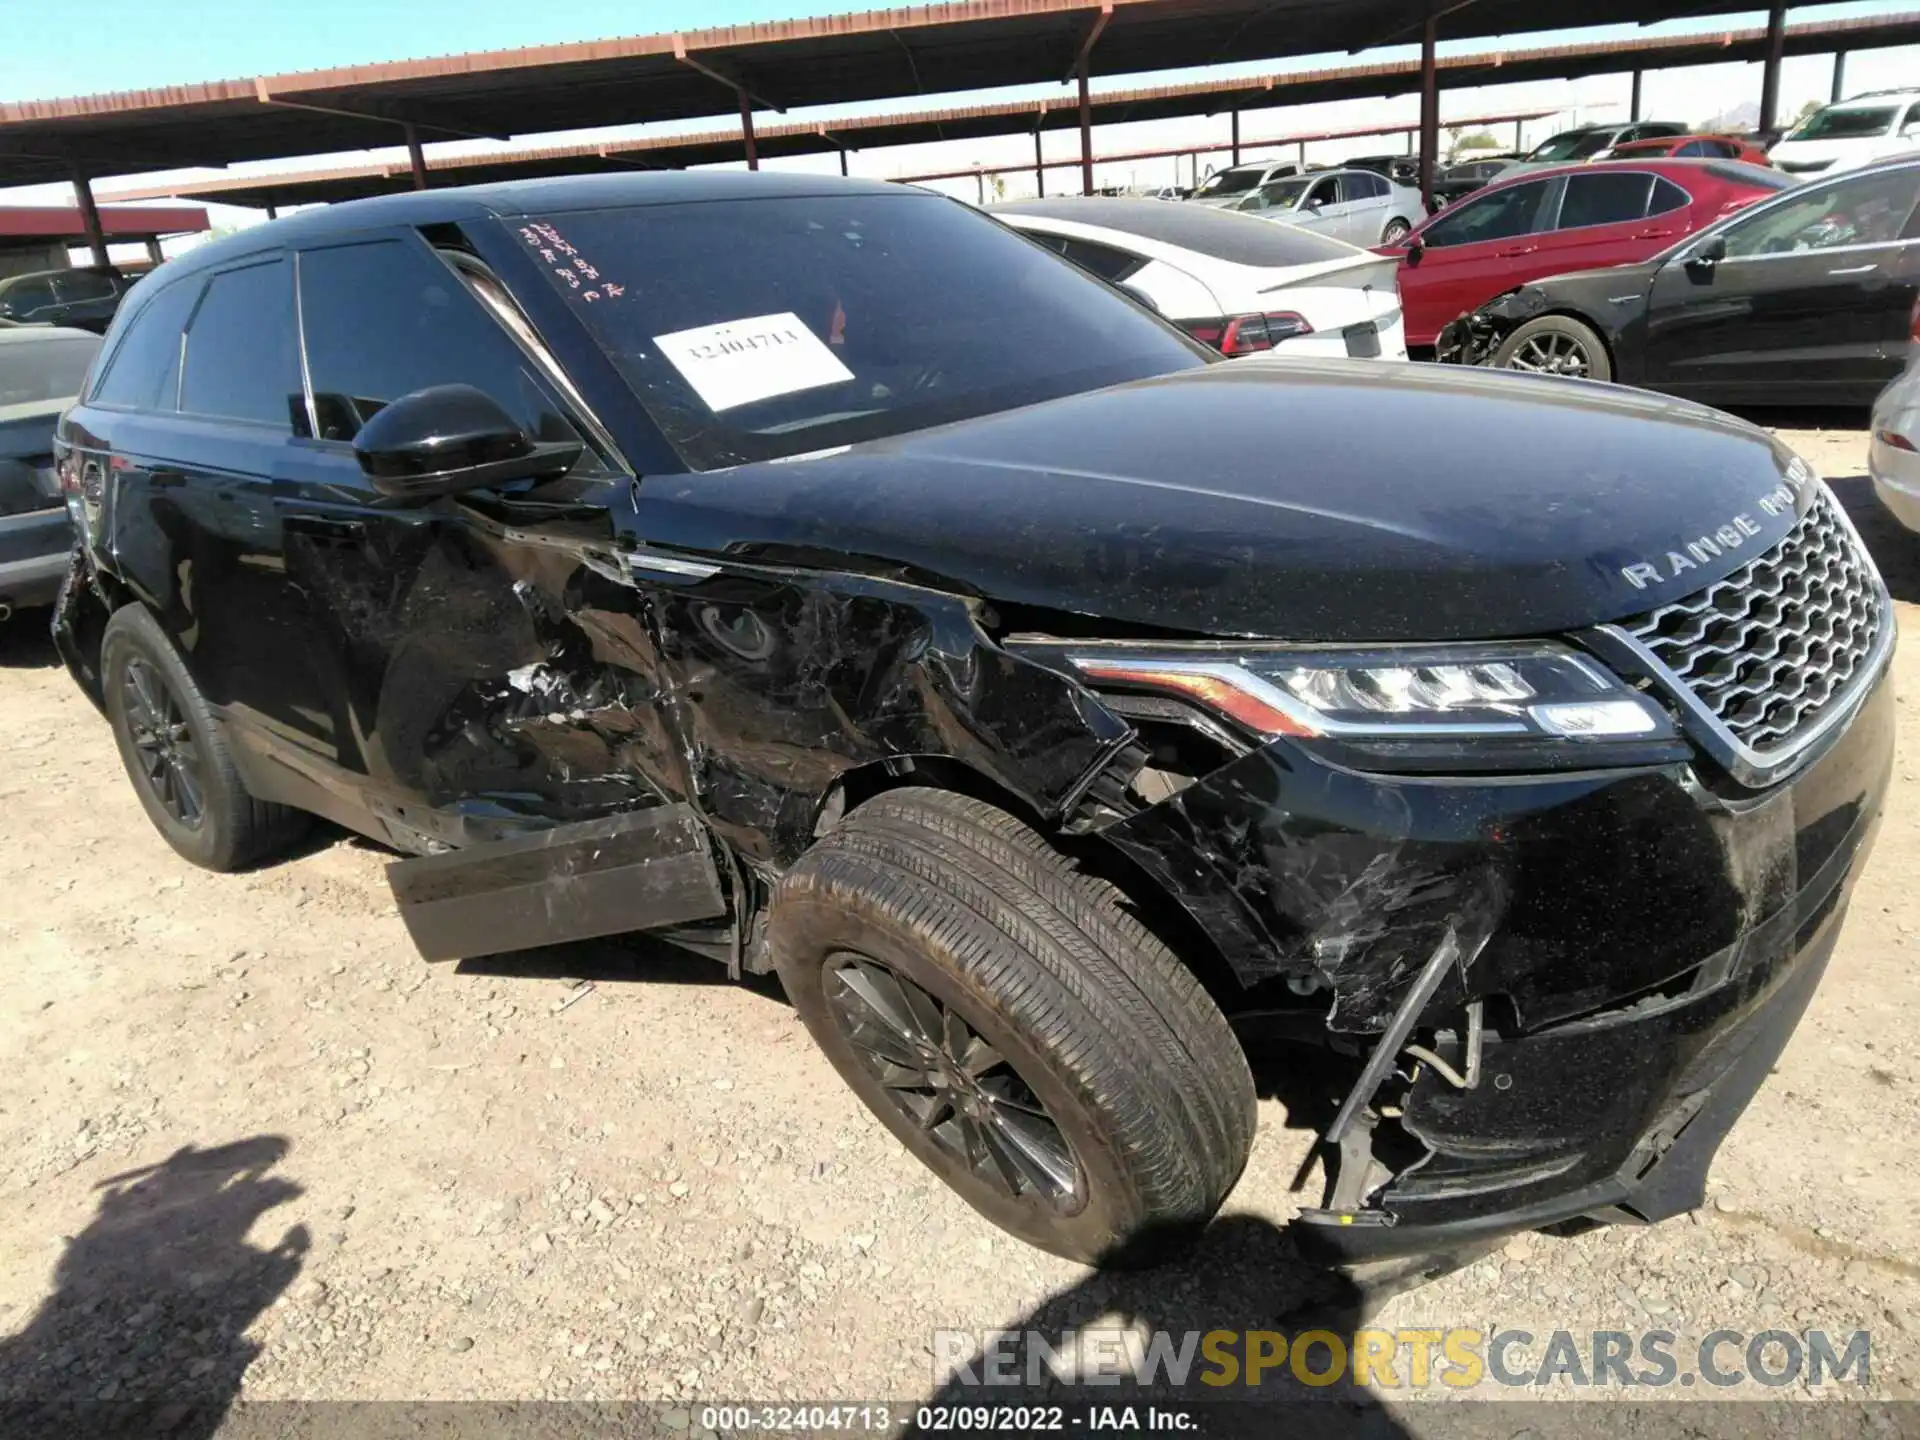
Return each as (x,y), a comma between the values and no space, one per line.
(1230,182)
(758,329)
(1280,195)
(1571,145)
(49,369)
(1847,124)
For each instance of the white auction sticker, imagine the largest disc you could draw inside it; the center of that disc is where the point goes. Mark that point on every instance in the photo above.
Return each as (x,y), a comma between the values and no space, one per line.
(742,361)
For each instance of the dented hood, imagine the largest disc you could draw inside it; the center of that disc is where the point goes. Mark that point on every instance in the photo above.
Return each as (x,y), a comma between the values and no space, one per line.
(1307,500)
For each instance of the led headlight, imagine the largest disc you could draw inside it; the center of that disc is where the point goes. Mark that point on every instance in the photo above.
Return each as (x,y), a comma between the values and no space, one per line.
(1541,691)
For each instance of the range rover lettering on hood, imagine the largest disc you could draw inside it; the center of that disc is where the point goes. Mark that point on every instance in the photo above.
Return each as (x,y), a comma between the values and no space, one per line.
(1706,549)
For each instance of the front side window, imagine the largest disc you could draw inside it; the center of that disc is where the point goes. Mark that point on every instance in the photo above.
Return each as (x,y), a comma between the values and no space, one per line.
(1605,197)
(384,318)
(1851,124)
(752,330)
(143,372)
(1495,215)
(241,361)
(1867,210)
(1912,118)
(1324,192)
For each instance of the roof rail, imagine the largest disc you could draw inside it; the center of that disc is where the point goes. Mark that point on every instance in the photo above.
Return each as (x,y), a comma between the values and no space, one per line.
(1876,94)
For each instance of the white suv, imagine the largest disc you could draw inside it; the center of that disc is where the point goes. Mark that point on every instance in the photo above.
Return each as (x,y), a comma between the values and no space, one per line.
(1226,188)
(1852,133)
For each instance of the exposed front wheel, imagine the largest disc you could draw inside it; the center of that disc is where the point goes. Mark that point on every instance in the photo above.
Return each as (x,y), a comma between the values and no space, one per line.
(1555,345)
(1018,1029)
(1396,231)
(176,756)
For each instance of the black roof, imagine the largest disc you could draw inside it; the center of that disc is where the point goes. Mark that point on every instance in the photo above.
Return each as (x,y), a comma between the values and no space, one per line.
(557,196)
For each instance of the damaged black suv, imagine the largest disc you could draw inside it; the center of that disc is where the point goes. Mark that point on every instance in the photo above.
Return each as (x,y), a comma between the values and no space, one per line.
(825,577)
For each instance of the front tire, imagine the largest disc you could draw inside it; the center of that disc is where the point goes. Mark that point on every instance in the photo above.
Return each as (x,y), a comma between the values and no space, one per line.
(1015,1026)
(1556,345)
(176,756)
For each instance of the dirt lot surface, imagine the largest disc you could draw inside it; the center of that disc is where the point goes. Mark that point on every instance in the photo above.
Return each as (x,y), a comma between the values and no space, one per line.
(249,1142)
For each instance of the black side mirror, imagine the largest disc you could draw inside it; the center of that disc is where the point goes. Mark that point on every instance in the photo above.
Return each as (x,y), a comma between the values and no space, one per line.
(450,438)
(1708,253)
(1414,251)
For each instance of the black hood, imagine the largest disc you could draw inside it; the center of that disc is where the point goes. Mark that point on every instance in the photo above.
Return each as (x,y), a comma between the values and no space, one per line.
(1307,500)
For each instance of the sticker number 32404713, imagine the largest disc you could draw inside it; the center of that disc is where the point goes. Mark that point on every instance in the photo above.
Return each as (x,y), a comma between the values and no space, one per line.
(741,361)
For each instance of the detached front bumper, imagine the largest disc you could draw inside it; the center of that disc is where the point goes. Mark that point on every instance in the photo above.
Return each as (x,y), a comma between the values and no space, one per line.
(1641,944)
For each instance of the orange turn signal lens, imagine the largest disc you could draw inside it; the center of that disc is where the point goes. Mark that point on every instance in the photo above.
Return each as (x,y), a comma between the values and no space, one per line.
(1208,686)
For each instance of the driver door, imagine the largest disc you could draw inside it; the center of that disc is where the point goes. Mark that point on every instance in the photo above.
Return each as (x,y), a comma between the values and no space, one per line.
(446,621)
(1321,207)
(1811,298)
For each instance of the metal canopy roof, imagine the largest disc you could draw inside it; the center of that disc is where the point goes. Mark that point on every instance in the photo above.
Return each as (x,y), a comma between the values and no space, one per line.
(1247,93)
(64,222)
(876,54)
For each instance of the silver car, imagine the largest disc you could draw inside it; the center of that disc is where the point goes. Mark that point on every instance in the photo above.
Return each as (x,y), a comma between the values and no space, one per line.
(1893,456)
(1358,206)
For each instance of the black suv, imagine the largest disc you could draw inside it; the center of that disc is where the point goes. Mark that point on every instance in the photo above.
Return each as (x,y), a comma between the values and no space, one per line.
(823,576)
(84,298)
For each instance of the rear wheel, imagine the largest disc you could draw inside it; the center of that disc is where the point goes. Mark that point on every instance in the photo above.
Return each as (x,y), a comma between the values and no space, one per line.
(1015,1026)
(176,756)
(1556,345)
(1396,231)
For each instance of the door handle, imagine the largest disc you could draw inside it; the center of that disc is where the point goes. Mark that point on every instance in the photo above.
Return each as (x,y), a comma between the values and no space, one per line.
(1855,269)
(1516,250)
(1653,235)
(326,527)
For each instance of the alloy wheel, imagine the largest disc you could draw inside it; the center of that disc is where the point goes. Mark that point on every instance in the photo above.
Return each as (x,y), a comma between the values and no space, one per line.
(169,758)
(954,1085)
(1553,353)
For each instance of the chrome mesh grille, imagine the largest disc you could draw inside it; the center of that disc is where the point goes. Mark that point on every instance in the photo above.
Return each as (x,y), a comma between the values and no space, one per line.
(1769,648)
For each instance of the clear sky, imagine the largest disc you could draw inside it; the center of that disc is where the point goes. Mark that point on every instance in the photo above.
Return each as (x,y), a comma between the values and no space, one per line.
(138,44)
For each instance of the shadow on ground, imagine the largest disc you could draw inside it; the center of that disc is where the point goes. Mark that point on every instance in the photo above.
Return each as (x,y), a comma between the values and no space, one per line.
(1244,1275)
(145,1332)
(26,642)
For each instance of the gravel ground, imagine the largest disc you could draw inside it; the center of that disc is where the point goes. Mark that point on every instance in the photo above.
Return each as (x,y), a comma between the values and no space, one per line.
(251,1145)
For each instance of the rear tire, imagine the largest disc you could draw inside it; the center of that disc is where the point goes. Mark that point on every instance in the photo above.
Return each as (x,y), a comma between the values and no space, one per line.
(1015,1026)
(176,756)
(1556,345)
(1396,231)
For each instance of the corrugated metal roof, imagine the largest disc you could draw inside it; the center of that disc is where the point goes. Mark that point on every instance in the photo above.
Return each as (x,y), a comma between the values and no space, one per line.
(871,55)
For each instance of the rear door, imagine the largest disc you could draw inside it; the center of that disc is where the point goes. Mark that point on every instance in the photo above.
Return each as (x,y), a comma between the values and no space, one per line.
(1469,253)
(1812,297)
(1365,195)
(1610,215)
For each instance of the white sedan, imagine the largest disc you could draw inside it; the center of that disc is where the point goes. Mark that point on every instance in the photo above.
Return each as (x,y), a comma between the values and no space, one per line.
(1239,284)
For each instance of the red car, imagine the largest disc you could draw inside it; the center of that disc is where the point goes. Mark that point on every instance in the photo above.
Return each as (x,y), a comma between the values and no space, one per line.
(1690,147)
(1566,217)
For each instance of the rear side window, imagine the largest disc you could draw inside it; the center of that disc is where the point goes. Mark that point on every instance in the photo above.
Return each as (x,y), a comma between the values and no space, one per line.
(1667,196)
(386,318)
(1605,197)
(1365,187)
(143,373)
(84,285)
(1106,261)
(1498,215)
(241,360)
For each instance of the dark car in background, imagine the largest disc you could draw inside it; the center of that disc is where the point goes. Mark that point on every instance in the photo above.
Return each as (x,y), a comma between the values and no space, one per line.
(1457,181)
(1589,142)
(1580,217)
(1804,299)
(40,374)
(826,578)
(82,298)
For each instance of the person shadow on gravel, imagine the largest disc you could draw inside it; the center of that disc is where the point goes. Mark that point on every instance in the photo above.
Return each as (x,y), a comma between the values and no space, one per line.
(1242,1275)
(145,1332)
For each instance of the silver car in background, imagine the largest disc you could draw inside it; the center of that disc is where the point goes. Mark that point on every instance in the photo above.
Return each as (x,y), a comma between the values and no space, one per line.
(1893,456)
(1360,207)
